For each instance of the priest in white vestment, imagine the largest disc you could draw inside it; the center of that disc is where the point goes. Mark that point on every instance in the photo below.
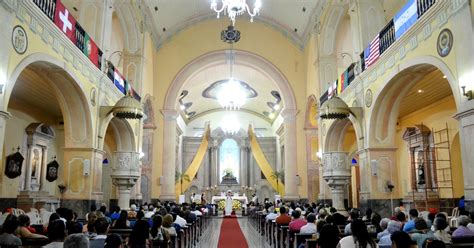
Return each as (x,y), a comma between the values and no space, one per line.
(228,204)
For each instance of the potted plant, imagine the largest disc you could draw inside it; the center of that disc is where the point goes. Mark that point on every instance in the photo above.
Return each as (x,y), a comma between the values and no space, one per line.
(278,176)
(181,177)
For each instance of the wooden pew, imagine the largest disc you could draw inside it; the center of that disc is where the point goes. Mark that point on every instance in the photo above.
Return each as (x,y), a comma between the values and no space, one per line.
(311,243)
(281,236)
(301,239)
(124,233)
(34,242)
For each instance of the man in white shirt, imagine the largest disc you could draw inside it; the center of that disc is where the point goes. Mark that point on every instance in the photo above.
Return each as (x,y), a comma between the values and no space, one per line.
(310,226)
(180,220)
(272,215)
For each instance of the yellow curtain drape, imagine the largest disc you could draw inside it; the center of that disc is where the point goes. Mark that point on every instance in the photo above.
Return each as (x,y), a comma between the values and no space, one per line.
(263,162)
(196,163)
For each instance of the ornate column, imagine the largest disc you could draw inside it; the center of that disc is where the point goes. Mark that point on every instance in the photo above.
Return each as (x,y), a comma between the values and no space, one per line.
(125,173)
(97,193)
(466,138)
(337,172)
(291,166)
(169,155)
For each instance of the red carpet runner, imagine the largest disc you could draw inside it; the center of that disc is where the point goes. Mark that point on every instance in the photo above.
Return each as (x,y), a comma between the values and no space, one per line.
(231,234)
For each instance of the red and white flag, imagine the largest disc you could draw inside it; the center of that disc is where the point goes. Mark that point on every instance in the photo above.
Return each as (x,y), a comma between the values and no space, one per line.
(65,21)
(372,53)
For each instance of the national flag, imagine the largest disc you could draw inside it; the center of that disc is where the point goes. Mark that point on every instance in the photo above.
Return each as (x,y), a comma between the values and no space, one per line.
(341,84)
(372,52)
(91,50)
(65,21)
(323,98)
(136,95)
(128,88)
(119,81)
(405,18)
(332,89)
(351,73)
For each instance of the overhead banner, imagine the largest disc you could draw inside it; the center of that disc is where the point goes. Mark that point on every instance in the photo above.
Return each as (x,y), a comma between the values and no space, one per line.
(65,21)
(196,163)
(405,18)
(263,162)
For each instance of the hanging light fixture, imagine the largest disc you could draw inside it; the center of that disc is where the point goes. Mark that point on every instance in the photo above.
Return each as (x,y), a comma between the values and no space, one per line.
(231,94)
(230,124)
(234,8)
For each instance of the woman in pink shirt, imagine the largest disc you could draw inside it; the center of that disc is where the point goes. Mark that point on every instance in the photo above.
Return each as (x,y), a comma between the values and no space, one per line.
(297,222)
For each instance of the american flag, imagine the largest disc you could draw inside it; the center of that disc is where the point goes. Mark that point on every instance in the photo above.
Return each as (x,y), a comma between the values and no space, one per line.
(372,53)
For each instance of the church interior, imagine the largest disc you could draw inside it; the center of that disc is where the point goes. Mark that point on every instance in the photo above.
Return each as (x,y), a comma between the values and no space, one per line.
(234,109)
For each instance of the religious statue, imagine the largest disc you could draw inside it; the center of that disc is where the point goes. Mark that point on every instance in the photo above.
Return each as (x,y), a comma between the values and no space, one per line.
(228,203)
(421,173)
(34,163)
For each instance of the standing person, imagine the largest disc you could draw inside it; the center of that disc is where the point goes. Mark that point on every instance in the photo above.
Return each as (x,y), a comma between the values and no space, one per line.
(228,203)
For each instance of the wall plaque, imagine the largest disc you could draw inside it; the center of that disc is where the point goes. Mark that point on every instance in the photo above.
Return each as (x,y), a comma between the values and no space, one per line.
(19,39)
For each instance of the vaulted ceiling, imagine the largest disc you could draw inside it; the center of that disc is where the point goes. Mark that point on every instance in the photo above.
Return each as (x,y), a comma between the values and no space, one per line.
(294,18)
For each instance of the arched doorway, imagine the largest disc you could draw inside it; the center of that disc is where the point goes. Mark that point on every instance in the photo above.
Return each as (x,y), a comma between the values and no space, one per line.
(244,61)
(43,93)
(412,115)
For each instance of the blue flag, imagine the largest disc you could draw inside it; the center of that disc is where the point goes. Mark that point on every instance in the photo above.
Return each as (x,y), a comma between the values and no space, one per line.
(405,18)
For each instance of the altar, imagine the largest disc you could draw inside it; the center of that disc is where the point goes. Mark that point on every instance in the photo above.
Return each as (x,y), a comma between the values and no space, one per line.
(243,199)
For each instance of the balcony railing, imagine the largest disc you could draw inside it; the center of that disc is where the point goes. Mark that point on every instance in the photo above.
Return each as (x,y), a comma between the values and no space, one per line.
(387,38)
(86,45)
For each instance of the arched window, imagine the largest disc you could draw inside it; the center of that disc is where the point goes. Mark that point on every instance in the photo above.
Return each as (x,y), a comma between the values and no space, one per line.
(229,160)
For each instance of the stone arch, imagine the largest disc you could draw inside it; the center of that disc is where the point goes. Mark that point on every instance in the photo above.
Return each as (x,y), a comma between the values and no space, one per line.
(70,94)
(130,27)
(242,58)
(123,134)
(311,112)
(336,132)
(384,115)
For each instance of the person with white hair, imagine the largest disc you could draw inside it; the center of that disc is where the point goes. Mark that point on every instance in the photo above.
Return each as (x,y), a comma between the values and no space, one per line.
(462,230)
(392,226)
(383,224)
(77,240)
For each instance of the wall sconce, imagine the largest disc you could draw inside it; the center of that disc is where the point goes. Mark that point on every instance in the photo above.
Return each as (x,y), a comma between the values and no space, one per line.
(298,180)
(467,94)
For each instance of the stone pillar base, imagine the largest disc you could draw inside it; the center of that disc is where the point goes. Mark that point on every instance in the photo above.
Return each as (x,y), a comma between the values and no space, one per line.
(170,198)
(291,198)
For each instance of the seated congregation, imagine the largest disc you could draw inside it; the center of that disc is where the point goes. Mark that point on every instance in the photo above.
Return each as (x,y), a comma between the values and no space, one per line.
(322,226)
(166,225)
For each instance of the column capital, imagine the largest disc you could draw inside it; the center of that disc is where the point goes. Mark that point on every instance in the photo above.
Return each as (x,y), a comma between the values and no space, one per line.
(289,114)
(5,115)
(169,114)
(464,114)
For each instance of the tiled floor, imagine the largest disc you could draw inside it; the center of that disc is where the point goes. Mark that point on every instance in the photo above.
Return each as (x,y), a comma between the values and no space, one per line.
(210,237)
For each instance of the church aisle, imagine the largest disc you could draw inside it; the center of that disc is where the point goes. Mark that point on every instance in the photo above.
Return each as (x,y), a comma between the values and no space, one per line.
(210,237)
(231,235)
(254,239)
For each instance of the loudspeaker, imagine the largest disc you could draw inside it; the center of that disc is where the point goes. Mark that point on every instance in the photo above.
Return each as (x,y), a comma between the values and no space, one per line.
(373,167)
(160,180)
(86,170)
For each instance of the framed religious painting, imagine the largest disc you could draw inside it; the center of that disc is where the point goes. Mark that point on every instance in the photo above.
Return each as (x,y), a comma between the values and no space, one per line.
(13,165)
(52,171)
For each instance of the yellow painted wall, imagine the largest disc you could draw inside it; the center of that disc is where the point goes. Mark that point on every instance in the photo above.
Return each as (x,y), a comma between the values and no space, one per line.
(256,38)
(434,116)
(312,74)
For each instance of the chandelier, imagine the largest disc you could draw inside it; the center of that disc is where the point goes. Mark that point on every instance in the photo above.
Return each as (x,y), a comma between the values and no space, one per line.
(231,96)
(234,8)
(230,124)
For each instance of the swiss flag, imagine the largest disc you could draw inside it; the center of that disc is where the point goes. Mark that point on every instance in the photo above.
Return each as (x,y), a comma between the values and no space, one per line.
(65,21)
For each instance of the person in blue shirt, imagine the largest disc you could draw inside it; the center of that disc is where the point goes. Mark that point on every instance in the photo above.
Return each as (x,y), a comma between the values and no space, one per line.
(410,225)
